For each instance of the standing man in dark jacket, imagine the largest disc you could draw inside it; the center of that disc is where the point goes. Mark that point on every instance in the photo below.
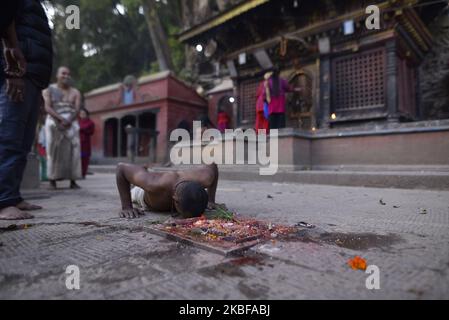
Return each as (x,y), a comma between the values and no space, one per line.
(25,69)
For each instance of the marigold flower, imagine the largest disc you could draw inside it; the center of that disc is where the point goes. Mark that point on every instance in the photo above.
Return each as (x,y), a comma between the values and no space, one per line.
(357,263)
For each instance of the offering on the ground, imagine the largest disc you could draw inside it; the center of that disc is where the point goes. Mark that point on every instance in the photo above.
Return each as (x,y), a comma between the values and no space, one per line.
(225,229)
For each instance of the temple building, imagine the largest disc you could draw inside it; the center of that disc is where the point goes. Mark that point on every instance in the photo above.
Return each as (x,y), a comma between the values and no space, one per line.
(383,89)
(159,104)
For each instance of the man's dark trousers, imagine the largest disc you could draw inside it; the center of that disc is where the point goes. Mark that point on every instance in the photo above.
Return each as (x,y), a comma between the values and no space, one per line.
(17,130)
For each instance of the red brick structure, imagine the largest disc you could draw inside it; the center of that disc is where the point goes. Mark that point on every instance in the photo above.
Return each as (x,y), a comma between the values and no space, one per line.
(163,101)
(220,96)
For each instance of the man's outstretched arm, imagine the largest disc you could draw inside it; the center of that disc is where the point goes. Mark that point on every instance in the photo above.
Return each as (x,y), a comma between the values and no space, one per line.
(212,188)
(127,174)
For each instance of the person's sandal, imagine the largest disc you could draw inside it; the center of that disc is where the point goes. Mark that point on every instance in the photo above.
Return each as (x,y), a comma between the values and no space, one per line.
(73,185)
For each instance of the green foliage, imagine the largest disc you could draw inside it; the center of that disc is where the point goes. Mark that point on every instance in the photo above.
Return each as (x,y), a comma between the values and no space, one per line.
(122,42)
(220,212)
(154,68)
(176,49)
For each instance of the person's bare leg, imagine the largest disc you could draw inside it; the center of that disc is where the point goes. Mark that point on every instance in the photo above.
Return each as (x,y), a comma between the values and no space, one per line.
(12,213)
(127,174)
(24,205)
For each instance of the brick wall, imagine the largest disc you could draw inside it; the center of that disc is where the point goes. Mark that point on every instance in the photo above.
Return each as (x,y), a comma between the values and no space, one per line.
(174,100)
(178,112)
(146,91)
(180,90)
(213,101)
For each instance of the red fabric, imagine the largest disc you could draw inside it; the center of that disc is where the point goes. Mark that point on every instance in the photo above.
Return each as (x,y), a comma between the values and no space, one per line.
(41,150)
(87,128)
(277,104)
(260,97)
(223,121)
(261,122)
(84,165)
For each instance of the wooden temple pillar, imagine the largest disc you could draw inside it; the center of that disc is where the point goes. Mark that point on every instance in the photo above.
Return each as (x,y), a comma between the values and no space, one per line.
(325,91)
(119,137)
(391,89)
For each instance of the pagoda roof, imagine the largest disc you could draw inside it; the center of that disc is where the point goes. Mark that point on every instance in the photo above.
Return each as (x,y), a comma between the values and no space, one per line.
(220,19)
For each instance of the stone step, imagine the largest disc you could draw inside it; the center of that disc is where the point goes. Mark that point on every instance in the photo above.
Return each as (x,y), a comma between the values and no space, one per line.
(374,179)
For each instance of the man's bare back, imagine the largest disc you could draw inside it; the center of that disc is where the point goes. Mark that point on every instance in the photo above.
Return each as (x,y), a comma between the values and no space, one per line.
(159,187)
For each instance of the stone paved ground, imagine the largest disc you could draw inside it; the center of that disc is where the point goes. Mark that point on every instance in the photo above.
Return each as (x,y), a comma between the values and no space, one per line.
(118,259)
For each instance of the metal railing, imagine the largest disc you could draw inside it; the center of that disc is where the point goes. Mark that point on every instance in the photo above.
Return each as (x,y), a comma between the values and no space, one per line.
(132,142)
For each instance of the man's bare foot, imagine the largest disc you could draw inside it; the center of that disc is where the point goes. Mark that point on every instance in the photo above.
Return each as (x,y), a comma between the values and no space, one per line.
(73,185)
(12,213)
(52,185)
(27,206)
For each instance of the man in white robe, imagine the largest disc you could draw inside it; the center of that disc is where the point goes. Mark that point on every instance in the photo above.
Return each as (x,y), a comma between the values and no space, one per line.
(62,103)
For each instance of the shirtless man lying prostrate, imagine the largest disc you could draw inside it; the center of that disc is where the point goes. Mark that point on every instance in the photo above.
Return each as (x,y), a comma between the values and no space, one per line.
(182,190)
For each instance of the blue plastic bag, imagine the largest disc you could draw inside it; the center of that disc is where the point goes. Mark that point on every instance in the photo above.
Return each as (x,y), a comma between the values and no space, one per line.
(266,112)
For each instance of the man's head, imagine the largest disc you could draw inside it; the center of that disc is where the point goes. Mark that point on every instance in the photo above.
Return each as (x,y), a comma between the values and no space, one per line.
(63,76)
(190,199)
(129,82)
(84,113)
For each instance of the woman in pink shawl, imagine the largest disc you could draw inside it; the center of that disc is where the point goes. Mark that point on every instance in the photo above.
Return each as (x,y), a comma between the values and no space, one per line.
(274,92)
(261,121)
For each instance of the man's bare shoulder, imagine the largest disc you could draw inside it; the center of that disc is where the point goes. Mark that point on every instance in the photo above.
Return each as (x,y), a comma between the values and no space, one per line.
(76,92)
(200,174)
(161,181)
(169,178)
